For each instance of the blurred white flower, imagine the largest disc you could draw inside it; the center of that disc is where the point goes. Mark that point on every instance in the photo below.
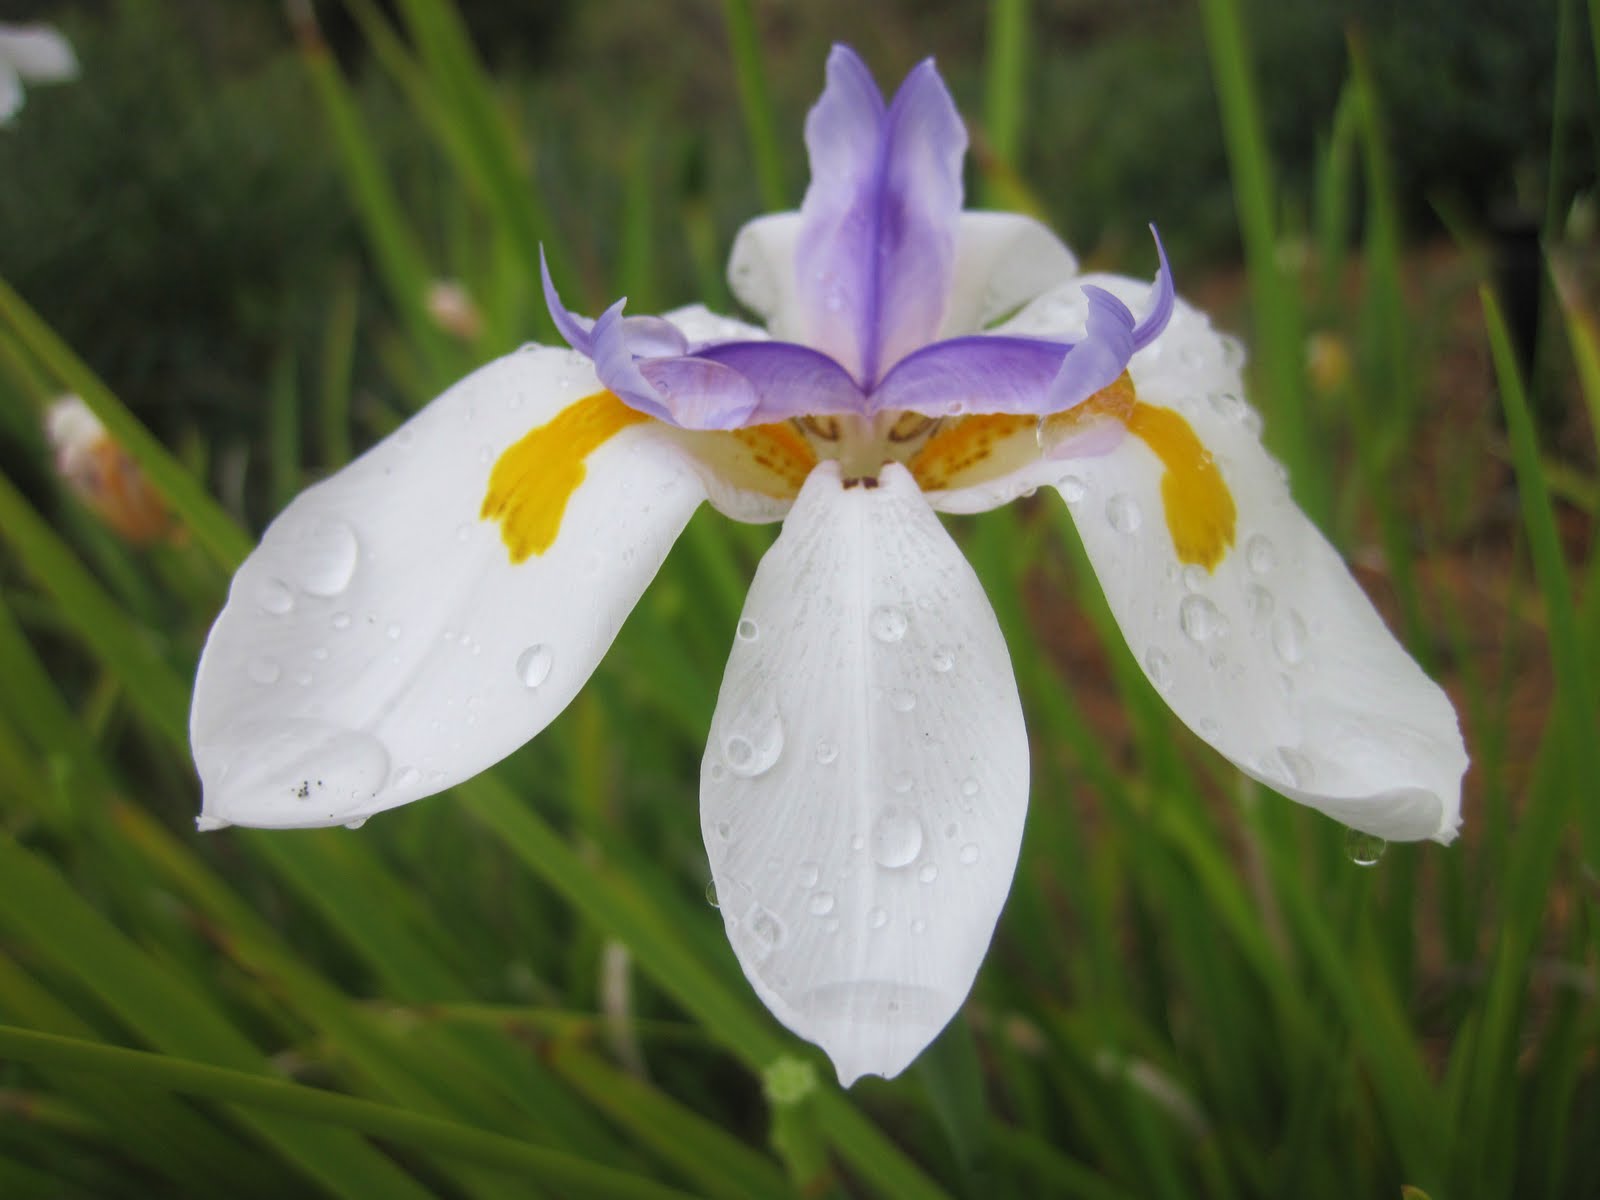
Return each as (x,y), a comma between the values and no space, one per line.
(37,53)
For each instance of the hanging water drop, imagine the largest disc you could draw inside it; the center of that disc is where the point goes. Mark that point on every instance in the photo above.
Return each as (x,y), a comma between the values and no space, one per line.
(1363,849)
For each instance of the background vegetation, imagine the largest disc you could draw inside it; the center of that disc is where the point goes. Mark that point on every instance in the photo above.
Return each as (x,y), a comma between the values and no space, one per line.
(224,237)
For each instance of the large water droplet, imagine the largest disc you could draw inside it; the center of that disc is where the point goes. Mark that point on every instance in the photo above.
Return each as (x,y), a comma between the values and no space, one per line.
(887,624)
(748,630)
(1289,637)
(533,665)
(1364,849)
(325,557)
(274,596)
(1199,618)
(263,670)
(753,752)
(896,838)
(1124,513)
(820,905)
(1260,555)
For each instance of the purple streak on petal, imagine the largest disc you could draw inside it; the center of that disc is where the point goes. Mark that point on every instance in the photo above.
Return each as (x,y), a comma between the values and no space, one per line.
(1162,298)
(575,330)
(1099,358)
(918,210)
(789,380)
(701,394)
(833,254)
(975,374)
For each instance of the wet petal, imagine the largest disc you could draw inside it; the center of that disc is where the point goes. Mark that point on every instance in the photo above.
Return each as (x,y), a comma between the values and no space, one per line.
(384,641)
(1002,261)
(863,794)
(789,380)
(974,374)
(1274,656)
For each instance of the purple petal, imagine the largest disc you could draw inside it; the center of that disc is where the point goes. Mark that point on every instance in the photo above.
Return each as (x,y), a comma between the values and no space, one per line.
(1099,358)
(877,244)
(974,374)
(1162,300)
(691,393)
(575,330)
(613,363)
(789,380)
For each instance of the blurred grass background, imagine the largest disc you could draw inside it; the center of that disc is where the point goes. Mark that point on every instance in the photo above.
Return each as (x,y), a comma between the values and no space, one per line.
(228,237)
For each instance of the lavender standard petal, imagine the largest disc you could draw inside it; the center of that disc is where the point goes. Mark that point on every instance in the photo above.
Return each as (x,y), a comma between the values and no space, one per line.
(576,331)
(1099,358)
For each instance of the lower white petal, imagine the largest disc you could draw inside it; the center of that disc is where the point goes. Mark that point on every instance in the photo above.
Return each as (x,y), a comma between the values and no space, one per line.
(381,644)
(1277,657)
(863,793)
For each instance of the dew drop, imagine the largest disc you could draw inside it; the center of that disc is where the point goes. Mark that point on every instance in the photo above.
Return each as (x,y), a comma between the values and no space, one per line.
(1159,668)
(1260,555)
(1289,637)
(341,620)
(533,665)
(887,624)
(1195,577)
(263,670)
(1228,406)
(827,752)
(858,843)
(944,659)
(393,632)
(325,558)
(407,777)
(969,787)
(896,838)
(969,854)
(274,596)
(711,893)
(748,630)
(928,873)
(320,653)
(768,930)
(753,753)
(1258,603)
(1072,489)
(877,918)
(356,824)
(902,700)
(820,905)
(917,926)
(1363,849)
(808,874)
(1124,513)
(1199,618)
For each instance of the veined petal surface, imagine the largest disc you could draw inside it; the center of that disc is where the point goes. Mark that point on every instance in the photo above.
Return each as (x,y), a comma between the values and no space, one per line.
(382,644)
(1276,656)
(864,789)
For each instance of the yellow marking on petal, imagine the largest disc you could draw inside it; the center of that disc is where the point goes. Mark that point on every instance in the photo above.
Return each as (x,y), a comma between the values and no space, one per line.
(533,480)
(782,451)
(1199,507)
(959,446)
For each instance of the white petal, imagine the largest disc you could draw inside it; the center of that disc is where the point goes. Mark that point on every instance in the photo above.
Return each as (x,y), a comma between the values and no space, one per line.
(38,52)
(1002,260)
(1278,659)
(699,324)
(380,645)
(11,96)
(863,794)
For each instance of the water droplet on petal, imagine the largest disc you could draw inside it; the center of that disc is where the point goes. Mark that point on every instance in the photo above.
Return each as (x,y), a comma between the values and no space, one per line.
(1195,577)
(1199,618)
(896,838)
(944,659)
(264,670)
(1072,489)
(877,918)
(1260,554)
(341,620)
(902,700)
(928,873)
(325,557)
(1364,849)
(917,926)
(533,665)
(826,752)
(1227,406)
(766,928)
(1301,771)
(407,777)
(1159,668)
(887,624)
(969,854)
(753,753)
(748,630)
(356,824)
(1258,603)
(820,905)
(393,632)
(274,596)
(808,874)
(711,893)
(1124,513)
(1289,637)
(969,787)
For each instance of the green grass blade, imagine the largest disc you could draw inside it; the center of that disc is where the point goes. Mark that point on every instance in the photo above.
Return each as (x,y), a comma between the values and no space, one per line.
(756,104)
